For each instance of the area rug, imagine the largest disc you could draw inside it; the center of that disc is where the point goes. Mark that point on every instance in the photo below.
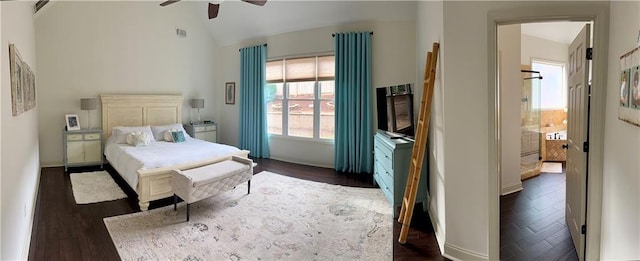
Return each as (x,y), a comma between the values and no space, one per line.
(282,218)
(551,167)
(92,187)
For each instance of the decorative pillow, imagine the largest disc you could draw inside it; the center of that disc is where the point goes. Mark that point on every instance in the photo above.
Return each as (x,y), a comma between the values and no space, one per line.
(178,136)
(138,139)
(158,131)
(120,133)
(168,136)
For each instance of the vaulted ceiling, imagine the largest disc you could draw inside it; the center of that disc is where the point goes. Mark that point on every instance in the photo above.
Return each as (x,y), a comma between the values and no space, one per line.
(238,21)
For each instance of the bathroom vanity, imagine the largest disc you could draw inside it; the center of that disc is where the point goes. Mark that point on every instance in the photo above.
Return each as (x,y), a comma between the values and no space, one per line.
(552,146)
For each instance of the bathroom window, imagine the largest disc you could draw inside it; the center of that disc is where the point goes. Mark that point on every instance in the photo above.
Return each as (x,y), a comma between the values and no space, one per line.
(553,86)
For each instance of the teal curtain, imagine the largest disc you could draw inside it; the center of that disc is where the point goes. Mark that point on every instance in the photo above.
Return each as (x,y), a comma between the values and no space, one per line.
(353,111)
(253,113)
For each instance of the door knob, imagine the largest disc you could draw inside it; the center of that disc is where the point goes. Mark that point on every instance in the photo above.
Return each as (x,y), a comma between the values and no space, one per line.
(565,146)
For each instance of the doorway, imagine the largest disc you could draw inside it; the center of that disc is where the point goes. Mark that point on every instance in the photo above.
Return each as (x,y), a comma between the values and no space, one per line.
(532,221)
(599,14)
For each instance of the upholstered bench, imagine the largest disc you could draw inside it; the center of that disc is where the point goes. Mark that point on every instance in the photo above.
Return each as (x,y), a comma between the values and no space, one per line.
(195,184)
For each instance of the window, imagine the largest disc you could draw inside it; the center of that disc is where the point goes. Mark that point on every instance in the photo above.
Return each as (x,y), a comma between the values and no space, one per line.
(300,97)
(553,86)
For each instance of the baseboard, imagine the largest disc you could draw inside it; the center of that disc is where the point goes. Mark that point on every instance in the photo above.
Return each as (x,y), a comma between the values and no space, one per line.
(314,164)
(51,165)
(437,227)
(512,189)
(27,245)
(454,252)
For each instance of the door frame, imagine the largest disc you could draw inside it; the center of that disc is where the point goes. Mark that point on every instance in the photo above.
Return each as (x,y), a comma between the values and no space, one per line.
(598,13)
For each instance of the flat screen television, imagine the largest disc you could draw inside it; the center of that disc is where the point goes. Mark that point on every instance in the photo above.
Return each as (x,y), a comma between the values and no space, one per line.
(395,109)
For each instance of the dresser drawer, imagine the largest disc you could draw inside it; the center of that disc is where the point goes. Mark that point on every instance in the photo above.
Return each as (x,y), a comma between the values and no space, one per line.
(387,189)
(93,136)
(199,129)
(74,137)
(385,157)
(384,174)
(209,128)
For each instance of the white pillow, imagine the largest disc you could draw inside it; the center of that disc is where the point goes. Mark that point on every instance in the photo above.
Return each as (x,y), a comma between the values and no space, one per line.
(138,139)
(120,133)
(168,136)
(158,131)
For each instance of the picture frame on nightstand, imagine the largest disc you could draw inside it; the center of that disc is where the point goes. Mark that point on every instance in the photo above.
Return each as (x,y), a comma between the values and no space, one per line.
(73,123)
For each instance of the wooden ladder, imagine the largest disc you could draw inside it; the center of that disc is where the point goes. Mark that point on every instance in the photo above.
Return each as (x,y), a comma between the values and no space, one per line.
(419,147)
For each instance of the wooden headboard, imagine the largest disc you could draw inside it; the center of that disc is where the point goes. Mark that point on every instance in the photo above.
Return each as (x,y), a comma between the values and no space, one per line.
(139,110)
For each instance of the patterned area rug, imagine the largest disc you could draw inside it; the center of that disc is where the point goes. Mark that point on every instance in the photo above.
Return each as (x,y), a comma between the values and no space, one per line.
(282,218)
(551,167)
(92,187)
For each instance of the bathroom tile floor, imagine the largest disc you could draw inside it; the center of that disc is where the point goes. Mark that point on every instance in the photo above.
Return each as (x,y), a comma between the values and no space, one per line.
(532,221)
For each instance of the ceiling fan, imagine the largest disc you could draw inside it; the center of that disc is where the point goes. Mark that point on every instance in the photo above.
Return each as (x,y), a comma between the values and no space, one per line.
(214,6)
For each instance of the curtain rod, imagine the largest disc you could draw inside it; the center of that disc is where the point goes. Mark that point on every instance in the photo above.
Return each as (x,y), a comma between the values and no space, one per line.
(245,47)
(334,35)
(529,71)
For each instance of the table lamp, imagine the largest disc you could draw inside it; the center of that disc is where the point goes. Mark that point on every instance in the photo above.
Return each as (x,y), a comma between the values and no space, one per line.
(197,104)
(88,104)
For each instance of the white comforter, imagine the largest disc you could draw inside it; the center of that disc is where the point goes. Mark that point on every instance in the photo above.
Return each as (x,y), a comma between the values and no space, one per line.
(127,160)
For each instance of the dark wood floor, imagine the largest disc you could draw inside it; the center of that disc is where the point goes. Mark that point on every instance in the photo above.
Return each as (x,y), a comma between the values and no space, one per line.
(63,230)
(532,221)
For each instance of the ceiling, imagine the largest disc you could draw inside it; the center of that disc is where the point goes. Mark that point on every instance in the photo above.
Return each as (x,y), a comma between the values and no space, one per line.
(562,32)
(238,21)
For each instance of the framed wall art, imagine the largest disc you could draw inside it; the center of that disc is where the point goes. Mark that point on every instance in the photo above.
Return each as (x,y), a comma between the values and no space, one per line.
(23,83)
(17,70)
(230,93)
(629,109)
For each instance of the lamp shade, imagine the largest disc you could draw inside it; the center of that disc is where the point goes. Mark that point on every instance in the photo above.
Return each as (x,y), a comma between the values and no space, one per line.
(197,103)
(88,104)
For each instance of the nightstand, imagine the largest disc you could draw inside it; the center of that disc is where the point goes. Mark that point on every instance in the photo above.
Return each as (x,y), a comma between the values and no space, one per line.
(202,131)
(82,148)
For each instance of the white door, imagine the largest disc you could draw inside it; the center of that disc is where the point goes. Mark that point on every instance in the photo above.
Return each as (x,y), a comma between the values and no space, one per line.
(577,135)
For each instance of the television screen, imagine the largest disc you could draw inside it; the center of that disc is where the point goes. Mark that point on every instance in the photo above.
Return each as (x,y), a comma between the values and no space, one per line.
(402,108)
(395,109)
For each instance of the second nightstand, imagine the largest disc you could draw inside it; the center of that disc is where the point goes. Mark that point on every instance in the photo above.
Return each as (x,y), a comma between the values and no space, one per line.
(202,131)
(82,148)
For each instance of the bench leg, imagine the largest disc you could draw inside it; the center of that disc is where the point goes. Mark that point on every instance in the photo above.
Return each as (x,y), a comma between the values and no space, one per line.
(175,201)
(188,212)
(249,187)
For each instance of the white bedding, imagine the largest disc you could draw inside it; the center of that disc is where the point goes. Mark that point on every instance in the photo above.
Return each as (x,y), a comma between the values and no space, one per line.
(127,160)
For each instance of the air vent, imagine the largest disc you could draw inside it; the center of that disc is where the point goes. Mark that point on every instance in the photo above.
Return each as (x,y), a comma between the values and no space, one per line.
(39,5)
(181,33)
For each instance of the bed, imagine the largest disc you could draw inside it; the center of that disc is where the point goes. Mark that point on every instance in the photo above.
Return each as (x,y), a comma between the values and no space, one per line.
(148,169)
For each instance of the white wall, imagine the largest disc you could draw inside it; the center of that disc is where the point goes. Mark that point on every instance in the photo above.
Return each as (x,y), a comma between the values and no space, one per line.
(621,181)
(510,88)
(93,48)
(393,45)
(535,47)
(429,29)
(466,123)
(20,158)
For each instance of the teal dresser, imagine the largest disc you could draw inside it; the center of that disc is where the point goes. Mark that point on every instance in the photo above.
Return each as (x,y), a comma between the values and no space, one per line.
(391,168)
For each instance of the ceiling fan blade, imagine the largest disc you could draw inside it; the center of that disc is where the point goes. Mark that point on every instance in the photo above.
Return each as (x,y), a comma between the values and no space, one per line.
(256,2)
(165,3)
(213,10)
